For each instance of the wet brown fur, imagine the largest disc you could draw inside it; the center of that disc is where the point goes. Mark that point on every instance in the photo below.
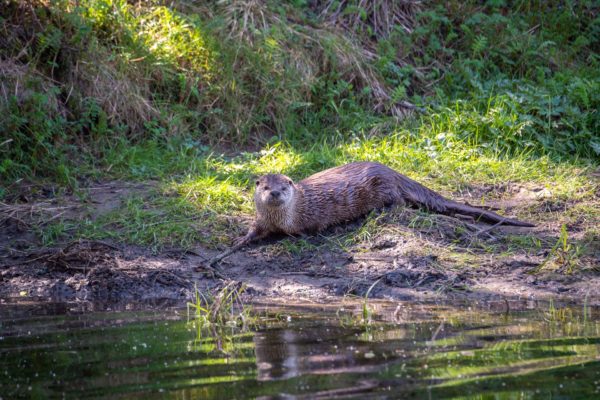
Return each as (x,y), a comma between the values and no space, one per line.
(342,194)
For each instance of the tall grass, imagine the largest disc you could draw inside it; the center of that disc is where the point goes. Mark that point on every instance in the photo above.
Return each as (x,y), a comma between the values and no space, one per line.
(105,87)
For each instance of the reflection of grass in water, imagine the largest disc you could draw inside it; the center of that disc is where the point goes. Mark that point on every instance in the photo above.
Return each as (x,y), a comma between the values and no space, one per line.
(573,380)
(510,357)
(569,382)
(527,364)
(495,356)
(477,353)
(560,315)
(566,320)
(218,320)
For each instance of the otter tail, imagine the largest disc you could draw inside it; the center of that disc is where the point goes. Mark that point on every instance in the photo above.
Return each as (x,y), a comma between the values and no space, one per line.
(416,194)
(484,215)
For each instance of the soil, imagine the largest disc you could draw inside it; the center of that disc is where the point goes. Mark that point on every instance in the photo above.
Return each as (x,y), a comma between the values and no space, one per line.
(395,263)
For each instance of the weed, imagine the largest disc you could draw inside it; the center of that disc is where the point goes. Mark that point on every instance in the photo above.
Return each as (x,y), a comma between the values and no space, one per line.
(370,228)
(53,233)
(525,242)
(559,315)
(220,315)
(225,309)
(564,254)
(366,315)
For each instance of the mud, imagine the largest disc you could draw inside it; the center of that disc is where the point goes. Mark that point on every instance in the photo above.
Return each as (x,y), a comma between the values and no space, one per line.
(409,256)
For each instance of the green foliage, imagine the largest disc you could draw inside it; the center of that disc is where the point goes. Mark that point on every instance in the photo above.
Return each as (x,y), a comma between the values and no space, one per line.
(32,135)
(563,255)
(535,65)
(515,116)
(101,87)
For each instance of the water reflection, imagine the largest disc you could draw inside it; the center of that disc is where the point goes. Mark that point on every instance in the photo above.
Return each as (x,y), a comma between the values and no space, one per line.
(411,351)
(288,352)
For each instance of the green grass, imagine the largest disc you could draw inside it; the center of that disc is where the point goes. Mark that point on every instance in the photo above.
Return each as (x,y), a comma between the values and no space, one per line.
(204,195)
(91,78)
(201,99)
(292,247)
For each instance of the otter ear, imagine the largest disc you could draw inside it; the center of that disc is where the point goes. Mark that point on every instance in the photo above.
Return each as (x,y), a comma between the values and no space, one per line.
(290,182)
(257,182)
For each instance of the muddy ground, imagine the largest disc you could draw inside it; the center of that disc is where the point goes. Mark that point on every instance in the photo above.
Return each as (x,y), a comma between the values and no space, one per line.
(410,255)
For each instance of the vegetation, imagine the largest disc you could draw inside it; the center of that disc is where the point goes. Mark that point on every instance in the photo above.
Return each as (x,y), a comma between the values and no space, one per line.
(204,96)
(179,105)
(219,317)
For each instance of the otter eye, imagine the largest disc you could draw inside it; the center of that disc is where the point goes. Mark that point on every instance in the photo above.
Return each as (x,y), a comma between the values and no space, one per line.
(284,189)
(266,188)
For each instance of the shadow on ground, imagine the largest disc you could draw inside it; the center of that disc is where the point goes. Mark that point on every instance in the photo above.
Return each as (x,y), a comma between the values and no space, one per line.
(406,254)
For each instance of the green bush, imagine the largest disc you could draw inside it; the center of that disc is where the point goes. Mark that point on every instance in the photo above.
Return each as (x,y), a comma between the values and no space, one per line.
(81,78)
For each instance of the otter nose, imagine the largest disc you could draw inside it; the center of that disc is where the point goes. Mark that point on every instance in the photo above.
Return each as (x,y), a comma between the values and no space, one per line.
(275,194)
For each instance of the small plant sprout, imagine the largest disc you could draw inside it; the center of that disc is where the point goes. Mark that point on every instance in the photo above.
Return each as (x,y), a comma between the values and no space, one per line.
(366,309)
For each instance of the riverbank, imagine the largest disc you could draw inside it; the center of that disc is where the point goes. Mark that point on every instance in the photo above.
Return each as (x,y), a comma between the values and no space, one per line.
(131,135)
(403,253)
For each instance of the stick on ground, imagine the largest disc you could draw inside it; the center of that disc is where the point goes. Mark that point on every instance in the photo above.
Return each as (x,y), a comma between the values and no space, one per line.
(211,264)
(226,253)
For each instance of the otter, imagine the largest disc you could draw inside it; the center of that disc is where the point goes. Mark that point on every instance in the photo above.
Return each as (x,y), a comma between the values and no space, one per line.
(342,194)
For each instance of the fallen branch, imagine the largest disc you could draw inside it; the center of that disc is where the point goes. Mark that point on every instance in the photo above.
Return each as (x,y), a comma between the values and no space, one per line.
(211,264)
(214,271)
(224,254)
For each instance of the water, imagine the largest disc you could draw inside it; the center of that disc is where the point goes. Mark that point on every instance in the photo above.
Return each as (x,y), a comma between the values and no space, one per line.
(410,350)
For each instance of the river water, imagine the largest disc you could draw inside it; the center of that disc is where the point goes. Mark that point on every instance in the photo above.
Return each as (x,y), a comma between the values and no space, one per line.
(502,350)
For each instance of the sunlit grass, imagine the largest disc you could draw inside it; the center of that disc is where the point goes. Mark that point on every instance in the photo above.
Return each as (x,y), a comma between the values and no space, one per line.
(153,31)
(170,37)
(447,170)
(484,142)
(215,196)
(204,191)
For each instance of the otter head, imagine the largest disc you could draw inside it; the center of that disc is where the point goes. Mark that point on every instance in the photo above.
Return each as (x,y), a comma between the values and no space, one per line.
(274,191)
